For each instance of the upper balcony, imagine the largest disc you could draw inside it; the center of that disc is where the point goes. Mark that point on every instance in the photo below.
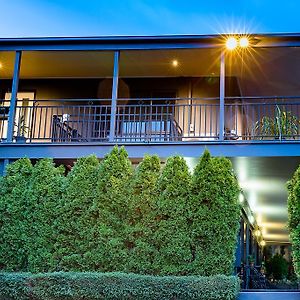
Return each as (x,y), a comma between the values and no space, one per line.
(153,120)
(171,94)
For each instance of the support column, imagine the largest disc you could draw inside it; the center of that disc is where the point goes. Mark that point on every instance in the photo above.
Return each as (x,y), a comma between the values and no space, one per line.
(247,244)
(114,97)
(222,96)
(5,164)
(13,99)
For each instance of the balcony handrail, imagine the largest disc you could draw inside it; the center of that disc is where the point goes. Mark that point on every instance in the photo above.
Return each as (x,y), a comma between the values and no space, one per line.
(93,101)
(167,120)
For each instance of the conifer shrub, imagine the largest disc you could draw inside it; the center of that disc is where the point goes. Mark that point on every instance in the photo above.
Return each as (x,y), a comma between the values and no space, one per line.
(294,217)
(173,235)
(76,218)
(141,222)
(29,205)
(215,214)
(105,217)
(109,250)
(14,219)
(43,208)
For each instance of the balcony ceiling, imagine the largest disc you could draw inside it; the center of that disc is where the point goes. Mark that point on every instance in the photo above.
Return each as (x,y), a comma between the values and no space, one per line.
(261,71)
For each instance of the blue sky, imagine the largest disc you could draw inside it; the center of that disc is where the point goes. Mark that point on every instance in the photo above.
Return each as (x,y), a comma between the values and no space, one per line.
(26,18)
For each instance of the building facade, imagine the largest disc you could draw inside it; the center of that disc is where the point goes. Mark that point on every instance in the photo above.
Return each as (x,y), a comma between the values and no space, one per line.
(69,97)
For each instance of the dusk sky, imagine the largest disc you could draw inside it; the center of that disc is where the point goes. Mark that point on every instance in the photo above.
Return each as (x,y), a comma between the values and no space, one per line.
(26,18)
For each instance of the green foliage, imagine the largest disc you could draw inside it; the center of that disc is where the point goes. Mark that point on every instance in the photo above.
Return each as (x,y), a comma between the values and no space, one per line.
(172,237)
(43,207)
(116,286)
(14,226)
(105,217)
(283,124)
(75,218)
(215,215)
(29,197)
(141,223)
(109,251)
(277,267)
(294,217)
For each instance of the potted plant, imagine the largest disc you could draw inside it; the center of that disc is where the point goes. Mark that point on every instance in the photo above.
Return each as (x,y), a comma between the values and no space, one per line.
(283,126)
(21,131)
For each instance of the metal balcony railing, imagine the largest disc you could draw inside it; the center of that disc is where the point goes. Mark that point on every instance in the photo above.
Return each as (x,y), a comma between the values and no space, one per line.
(153,120)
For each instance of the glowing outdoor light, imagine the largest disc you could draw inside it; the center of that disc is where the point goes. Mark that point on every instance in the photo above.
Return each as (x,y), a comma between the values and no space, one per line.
(241,198)
(251,219)
(175,63)
(263,243)
(231,43)
(244,42)
(257,233)
(1,65)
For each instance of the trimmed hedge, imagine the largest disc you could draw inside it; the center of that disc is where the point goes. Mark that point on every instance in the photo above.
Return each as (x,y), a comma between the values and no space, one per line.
(294,217)
(108,217)
(115,286)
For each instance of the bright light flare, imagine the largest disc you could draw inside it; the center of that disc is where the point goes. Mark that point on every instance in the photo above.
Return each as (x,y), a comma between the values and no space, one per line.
(263,243)
(231,43)
(244,42)
(257,233)
(1,66)
(175,63)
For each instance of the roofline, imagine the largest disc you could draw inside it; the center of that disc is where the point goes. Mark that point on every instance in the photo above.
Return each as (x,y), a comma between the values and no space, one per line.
(123,42)
(144,37)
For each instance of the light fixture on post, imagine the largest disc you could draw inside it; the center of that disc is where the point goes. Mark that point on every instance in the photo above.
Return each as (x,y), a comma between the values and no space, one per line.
(233,42)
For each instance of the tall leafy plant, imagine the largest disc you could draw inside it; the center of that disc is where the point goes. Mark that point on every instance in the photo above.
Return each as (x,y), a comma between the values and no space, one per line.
(75,219)
(173,234)
(215,213)
(293,187)
(14,219)
(142,212)
(283,125)
(43,207)
(109,250)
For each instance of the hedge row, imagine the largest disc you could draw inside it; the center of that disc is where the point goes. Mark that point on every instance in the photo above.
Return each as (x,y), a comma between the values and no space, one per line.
(294,217)
(110,217)
(115,286)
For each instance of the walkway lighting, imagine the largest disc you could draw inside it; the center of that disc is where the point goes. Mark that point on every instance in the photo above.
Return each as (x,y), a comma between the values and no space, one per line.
(241,198)
(257,233)
(231,43)
(263,243)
